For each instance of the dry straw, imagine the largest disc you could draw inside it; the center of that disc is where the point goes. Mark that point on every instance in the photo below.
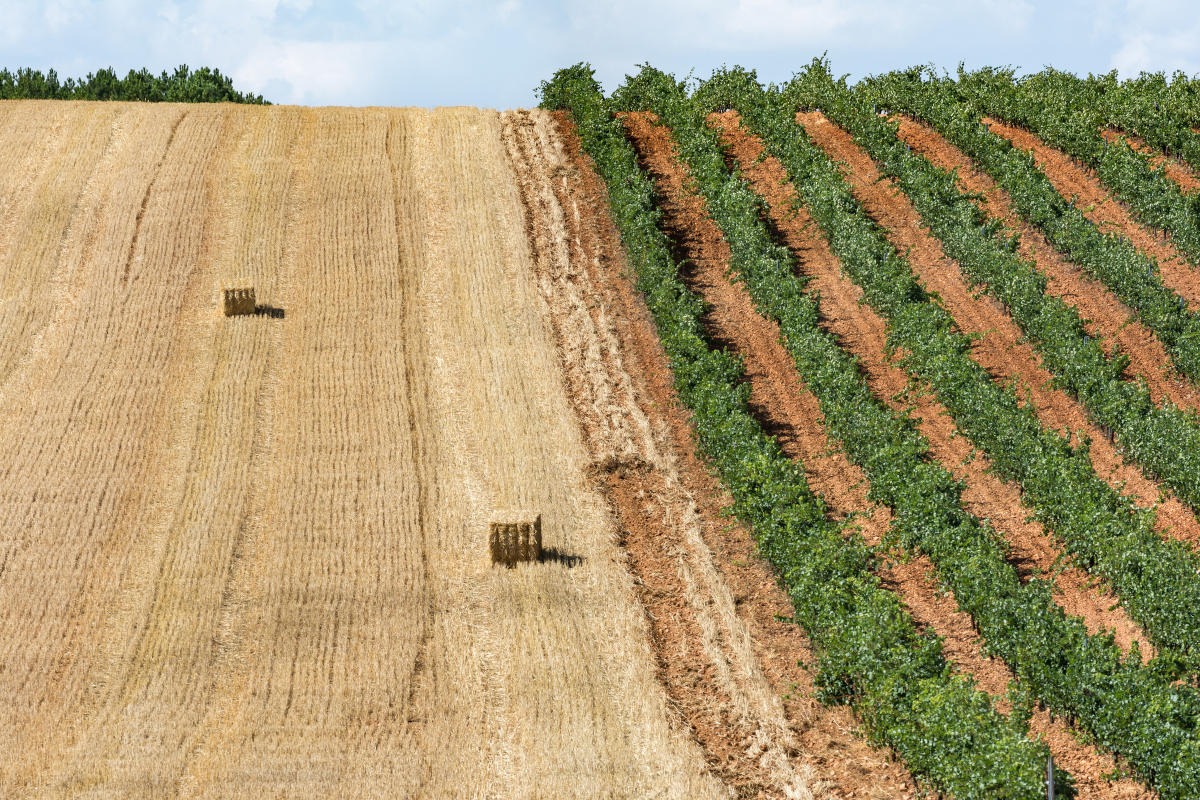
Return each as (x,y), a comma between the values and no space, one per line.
(517,538)
(239,302)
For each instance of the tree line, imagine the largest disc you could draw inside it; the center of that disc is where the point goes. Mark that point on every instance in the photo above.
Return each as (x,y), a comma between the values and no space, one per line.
(184,85)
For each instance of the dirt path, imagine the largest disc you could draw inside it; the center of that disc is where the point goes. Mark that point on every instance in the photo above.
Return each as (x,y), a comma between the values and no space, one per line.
(1000,348)
(702,644)
(785,410)
(247,557)
(863,333)
(1081,185)
(1103,313)
(1174,168)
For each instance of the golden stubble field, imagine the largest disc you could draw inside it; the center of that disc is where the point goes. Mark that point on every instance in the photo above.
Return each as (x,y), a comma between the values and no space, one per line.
(247,557)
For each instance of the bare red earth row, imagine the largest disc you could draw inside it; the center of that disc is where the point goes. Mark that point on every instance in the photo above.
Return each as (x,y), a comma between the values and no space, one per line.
(1000,347)
(845,314)
(858,770)
(778,397)
(845,765)
(1078,183)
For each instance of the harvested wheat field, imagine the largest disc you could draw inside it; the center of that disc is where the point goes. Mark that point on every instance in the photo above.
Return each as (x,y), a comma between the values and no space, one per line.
(248,556)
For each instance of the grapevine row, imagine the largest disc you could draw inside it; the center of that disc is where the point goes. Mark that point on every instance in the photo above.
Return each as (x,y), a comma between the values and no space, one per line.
(1164,440)
(1081,676)
(871,654)
(1160,110)
(1069,113)
(1155,579)
(1112,260)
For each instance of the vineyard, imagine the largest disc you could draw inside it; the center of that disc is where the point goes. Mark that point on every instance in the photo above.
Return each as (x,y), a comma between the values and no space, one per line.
(701,439)
(938,336)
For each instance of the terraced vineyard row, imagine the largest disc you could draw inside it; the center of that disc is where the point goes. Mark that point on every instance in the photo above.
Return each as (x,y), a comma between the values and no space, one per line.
(859,211)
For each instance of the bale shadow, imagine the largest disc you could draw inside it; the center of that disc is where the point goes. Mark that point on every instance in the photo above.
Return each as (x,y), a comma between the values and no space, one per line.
(553,554)
(274,312)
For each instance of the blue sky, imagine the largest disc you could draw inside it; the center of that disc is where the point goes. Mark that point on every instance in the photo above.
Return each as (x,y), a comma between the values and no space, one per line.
(493,54)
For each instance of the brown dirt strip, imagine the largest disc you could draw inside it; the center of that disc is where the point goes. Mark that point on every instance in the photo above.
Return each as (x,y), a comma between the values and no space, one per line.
(778,398)
(1104,315)
(1175,169)
(863,333)
(705,658)
(1077,182)
(825,733)
(1000,348)
(777,395)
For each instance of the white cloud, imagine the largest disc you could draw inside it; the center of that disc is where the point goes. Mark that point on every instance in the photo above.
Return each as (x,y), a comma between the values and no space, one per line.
(507,9)
(767,23)
(717,26)
(1153,51)
(314,72)
(1153,37)
(168,13)
(17,27)
(61,14)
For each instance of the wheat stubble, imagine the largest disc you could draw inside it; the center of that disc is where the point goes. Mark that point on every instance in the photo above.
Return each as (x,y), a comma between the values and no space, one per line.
(247,557)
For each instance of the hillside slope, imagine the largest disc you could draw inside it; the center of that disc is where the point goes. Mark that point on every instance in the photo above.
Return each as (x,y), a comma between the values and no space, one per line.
(246,557)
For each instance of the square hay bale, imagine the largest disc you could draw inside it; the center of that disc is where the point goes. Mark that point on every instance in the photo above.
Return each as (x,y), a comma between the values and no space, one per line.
(239,302)
(516,537)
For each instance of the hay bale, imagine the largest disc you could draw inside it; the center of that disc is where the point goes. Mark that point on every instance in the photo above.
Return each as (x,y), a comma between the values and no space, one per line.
(239,302)
(516,537)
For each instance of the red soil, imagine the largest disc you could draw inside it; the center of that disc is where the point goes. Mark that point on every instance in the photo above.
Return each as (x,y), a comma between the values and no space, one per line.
(1000,348)
(1079,183)
(616,376)
(1175,169)
(1103,313)
(862,332)
(782,406)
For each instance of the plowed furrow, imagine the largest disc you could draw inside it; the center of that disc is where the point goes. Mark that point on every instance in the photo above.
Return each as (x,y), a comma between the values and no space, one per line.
(789,410)
(1081,185)
(999,347)
(1103,313)
(863,333)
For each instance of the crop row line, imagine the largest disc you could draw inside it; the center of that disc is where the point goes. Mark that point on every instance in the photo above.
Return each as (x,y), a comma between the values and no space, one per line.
(1114,261)
(1155,579)
(1163,440)
(871,654)
(1069,113)
(1081,676)
(1162,111)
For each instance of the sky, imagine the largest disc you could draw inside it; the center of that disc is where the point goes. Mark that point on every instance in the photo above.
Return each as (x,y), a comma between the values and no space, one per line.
(494,54)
